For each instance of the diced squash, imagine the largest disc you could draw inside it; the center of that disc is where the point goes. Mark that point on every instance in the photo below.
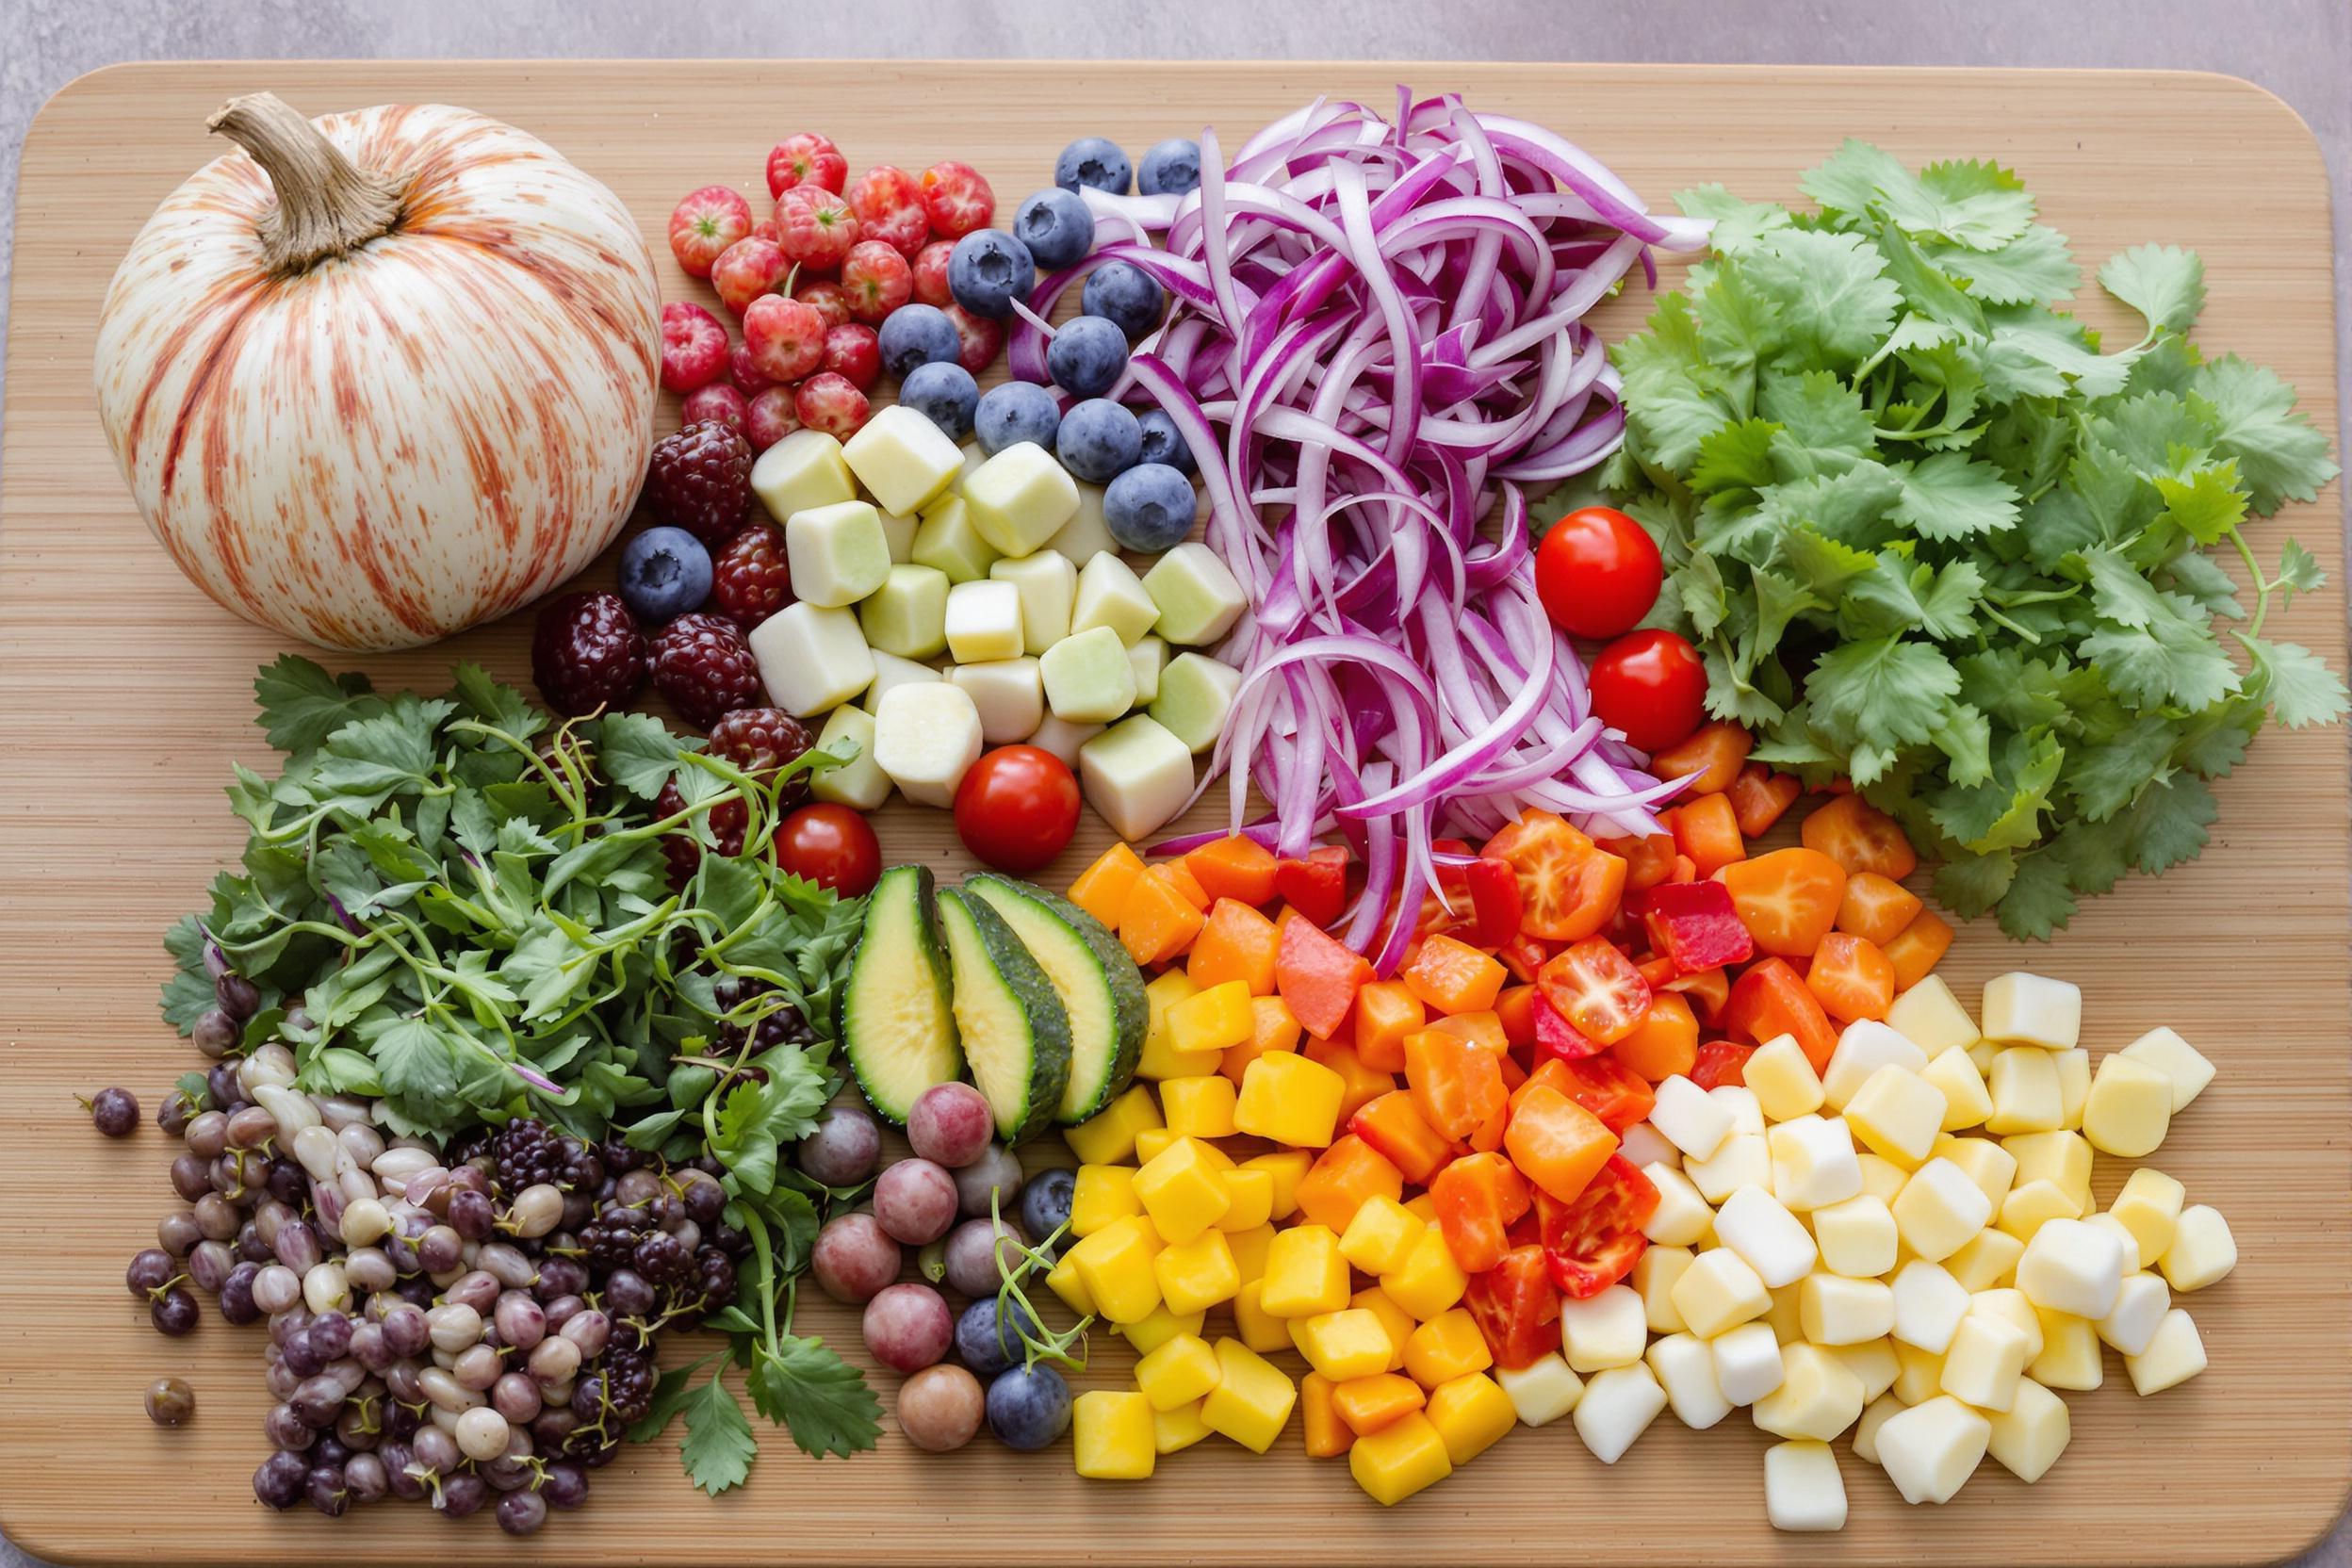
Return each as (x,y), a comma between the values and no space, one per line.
(1345,1176)
(1157,920)
(1271,1029)
(1383,1400)
(1327,1436)
(1451,976)
(1237,868)
(1403,1458)
(1360,1083)
(1393,1125)
(1555,1143)
(1386,1012)
(1237,943)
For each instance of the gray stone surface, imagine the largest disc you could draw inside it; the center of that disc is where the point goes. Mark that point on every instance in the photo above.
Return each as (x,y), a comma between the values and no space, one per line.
(2299,49)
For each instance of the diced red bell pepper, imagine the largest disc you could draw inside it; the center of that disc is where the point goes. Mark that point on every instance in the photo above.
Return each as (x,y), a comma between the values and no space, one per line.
(1316,886)
(1611,1090)
(1524,956)
(1478,1197)
(1696,926)
(1594,1241)
(1721,1062)
(1556,1037)
(1317,975)
(1516,1308)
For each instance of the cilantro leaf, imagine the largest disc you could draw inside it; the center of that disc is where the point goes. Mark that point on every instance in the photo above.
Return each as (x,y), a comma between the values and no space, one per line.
(1973,203)
(2298,570)
(637,752)
(2252,413)
(1738,225)
(801,1385)
(2170,661)
(1950,496)
(2299,688)
(1855,178)
(2038,902)
(2163,283)
(1885,690)
(301,705)
(1835,299)
(1822,427)
(1735,456)
(2034,267)
(2202,500)
(718,1444)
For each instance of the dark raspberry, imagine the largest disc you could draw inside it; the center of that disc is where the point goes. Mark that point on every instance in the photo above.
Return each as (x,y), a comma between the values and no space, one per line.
(750,579)
(729,821)
(663,1258)
(761,740)
(524,1155)
(704,667)
(700,480)
(587,653)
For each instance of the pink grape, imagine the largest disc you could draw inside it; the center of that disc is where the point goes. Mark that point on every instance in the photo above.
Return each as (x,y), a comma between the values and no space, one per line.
(854,1258)
(950,1124)
(908,1326)
(915,1202)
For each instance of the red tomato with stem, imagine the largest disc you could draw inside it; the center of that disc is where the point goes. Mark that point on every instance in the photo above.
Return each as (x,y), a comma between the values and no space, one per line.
(831,845)
(1017,808)
(1597,572)
(1653,686)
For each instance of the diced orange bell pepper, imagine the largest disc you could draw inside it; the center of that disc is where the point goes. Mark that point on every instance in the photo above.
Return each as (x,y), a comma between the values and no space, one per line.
(1685,870)
(1237,943)
(1393,1125)
(1102,888)
(1317,975)
(1458,1085)
(1271,1029)
(1860,837)
(1555,1143)
(1343,1178)
(1667,1041)
(1316,886)
(1234,868)
(1477,1197)
(1524,957)
(1486,1028)
(1771,998)
(1158,921)
(1180,877)
(1515,1008)
(1919,948)
(1875,908)
(1386,1012)
(1361,1083)
(1759,795)
(1327,1436)
(1708,832)
(1851,978)
(1383,1400)
(1452,976)
(1706,991)
(1711,759)
(1657,972)
(1788,899)
(1648,860)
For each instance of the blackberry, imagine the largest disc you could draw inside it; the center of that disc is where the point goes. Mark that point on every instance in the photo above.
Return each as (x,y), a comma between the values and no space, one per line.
(525,1153)
(704,666)
(586,653)
(700,480)
(760,740)
(618,1393)
(714,1278)
(663,1258)
(618,1157)
(612,1237)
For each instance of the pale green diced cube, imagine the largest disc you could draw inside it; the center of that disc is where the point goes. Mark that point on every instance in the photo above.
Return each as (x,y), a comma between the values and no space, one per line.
(1020,498)
(926,737)
(837,554)
(901,458)
(861,784)
(1198,599)
(890,671)
(1063,738)
(1048,584)
(803,470)
(1085,536)
(900,531)
(947,541)
(907,614)
(812,658)
(1147,658)
(1009,695)
(973,457)
(982,622)
(1137,775)
(1088,678)
(1110,593)
(1196,697)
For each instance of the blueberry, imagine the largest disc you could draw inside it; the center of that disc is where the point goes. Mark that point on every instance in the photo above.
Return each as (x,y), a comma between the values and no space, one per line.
(981,1344)
(1126,296)
(1028,1407)
(664,573)
(1170,168)
(1148,508)
(1093,160)
(918,334)
(988,270)
(1164,443)
(1086,355)
(1015,411)
(944,394)
(1057,226)
(1097,440)
(1045,1203)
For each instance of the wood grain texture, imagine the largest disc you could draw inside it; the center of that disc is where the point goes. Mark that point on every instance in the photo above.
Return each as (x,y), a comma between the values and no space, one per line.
(128,696)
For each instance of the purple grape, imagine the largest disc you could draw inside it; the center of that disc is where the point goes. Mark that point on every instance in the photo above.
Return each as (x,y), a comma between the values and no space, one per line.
(854,1258)
(114,1112)
(996,1174)
(842,1149)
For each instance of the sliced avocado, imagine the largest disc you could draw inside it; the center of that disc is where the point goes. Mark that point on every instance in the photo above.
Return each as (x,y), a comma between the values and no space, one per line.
(894,1015)
(1014,1030)
(1101,988)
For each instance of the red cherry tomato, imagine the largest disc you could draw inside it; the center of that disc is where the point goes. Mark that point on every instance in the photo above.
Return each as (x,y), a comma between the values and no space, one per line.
(1597,572)
(1653,686)
(1017,808)
(831,845)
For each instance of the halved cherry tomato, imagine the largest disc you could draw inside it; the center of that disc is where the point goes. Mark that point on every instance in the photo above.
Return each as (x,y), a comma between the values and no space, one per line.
(1759,795)
(1711,759)
(1477,1198)
(1919,948)
(1567,887)
(1316,886)
(1597,572)
(1788,899)
(1597,988)
(1524,955)
(1876,907)
(1707,991)
(1851,977)
(1516,1308)
(1591,1243)
(1648,860)
(1609,1089)
(1771,998)
(1720,1062)
(1694,926)
(1651,685)
(1860,836)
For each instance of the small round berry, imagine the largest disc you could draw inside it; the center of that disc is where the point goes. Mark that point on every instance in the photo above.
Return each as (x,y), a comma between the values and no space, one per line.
(586,653)
(980,337)
(930,270)
(1124,295)
(114,1112)
(703,665)
(806,159)
(1097,440)
(703,224)
(700,480)
(664,572)
(1163,442)
(944,394)
(759,741)
(693,347)
(1170,168)
(750,578)
(1014,412)
(988,270)
(771,416)
(1056,225)
(1093,160)
(876,279)
(1148,508)
(831,403)
(917,334)
(854,351)
(717,404)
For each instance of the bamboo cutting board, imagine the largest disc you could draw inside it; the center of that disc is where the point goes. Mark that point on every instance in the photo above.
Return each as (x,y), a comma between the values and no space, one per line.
(128,698)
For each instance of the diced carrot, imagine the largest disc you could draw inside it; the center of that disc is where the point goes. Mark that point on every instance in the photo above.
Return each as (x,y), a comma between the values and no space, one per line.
(1458,1085)
(1386,1012)
(1452,976)
(1484,1027)
(1327,1436)
(1851,978)
(1102,888)
(1860,837)
(1555,1143)
(1370,1404)
(1393,1125)
(1516,1007)
(1706,991)
(1551,1073)
(1317,975)
(1708,833)
(1667,1041)
(1237,943)
(1271,1029)
(1771,998)
(1234,868)
(1711,759)
(1788,899)
(1648,860)
(1759,795)
(1513,1074)
(1343,1178)
(1180,877)
(1158,922)
(1477,1197)
(1919,948)
(1876,907)
(1361,1082)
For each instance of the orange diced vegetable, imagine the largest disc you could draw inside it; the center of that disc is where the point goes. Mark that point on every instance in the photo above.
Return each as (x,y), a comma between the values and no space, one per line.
(1343,1178)
(1771,998)
(1555,1143)
(1759,795)
(1597,990)
(1383,1400)
(1860,837)
(1919,949)
(1706,991)
(1456,1084)
(1647,860)
(1478,1196)
(1851,977)
(1327,1436)
(1271,1029)
(1453,977)
(1360,1081)
(1788,899)
(1708,833)
(1667,1041)
(1876,907)
(1102,888)
(1515,1009)
(1317,975)
(1234,868)
(1711,759)
(1158,922)
(1180,877)
(1393,1125)
(1685,870)
(1386,1012)
(1568,889)
(1237,943)
(1484,1027)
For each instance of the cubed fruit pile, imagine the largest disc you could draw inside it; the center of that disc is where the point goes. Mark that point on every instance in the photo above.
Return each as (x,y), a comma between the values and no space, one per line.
(1861,1210)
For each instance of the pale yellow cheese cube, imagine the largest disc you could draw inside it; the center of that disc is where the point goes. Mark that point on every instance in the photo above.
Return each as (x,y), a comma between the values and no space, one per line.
(1198,596)
(1983,1053)
(1802,1490)
(1987,1262)
(2150,1208)
(2175,1355)
(1897,1114)
(2122,1233)
(2069,1357)
(946,541)
(1930,1450)
(2029,1436)
(1747,1363)
(1654,1280)
(1863,1048)
(2032,1009)
(836,555)
(2026,1098)
(1985,1362)
(803,470)
(1690,1118)
(1747,1112)
(811,659)
(2141,1302)
(1857,1238)
(1744,1160)
(1600,1331)
(1835,1310)
(1760,1228)
(1930,1017)
(1880,1178)
(1785,1315)
(1966,1100)
(1046,583)
(1020,499)
(899,532)
(1543,1390)
(1616,1409)
(2033,1204)
(2074,1268)
(1683,1218)
(902,458)
(1813,1161)
(1939,1210)
(1818,1396)
(1873,1361)
(1921,1373)
(1929,1305)
(2074,1084)
(1686,1370)
(982,622)
(1718,1291)
(2202,1251)
(2009,1303)
(1109,593)
(1782,1080)
(2130,1108)
(1875,1415)
(1990,1164)
(2177,1059)
(861,783)
(2062,1158)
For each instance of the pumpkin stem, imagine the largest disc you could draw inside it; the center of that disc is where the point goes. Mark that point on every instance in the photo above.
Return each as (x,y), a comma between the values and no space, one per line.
(327,204)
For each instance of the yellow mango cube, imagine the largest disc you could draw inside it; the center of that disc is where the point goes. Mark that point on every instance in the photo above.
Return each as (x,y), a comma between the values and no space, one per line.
(1250,1249)
(1783,1079)
(1431,1281)
(1114,1265)
(1161,1059)
(1062,1281)
(1105,1193)
(1472,1413)
(1109,1137)
(1182,1189)
(1654,1278)
(1248,1200)
(1382,1236)
(1448,1346)
(1350,1342)
(1304,1273)
(1422,1207)
(1290,1100)
(1988,1261)
(1896,1114)
(1394,1321)
(1252,1400)
(1966,1100)
(1286,1168)
(1260,1330)
(1819,1395)
(2026,1097)
(2150,1208)
(1199,1107)
(1174,1431)
(1990,1166)
(2130,1108)
(1153,1142)
(1210,1022)
(1111,1436)
(1183,1369)
(2063,1159)
(1158,1327)
(1199,1274)
(1930,1017)
(1402,1457)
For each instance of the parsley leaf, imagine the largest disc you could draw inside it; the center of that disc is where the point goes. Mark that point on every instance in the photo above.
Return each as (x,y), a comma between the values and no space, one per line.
(804,1386)
(301,705)
(718,1444)
(2254,420)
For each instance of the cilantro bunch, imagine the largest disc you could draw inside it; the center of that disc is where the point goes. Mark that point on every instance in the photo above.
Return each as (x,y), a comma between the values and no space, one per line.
(1929,535)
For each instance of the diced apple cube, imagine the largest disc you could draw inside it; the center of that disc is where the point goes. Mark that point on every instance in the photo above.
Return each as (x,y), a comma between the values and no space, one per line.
(1767,1236)
(2029,1436)
(1782,1080)
(2202,1251)
(1197,597)
(1930,1450)
(1682,1218)
(1985,1362)
(1087,534)
(2150,1208)
(901,458)
(860,785)
(1020,499)
(1604,1330)
(907,616)
(1046,583)
(1863,1048)
(1743,1161)
(2173,1356)
(1875,1415)
(1747,1362)
(812,658)
(2026,1097)
(1063,738)
(1813,1161)
(900,531)
(2130,1108)
(1990,1166)
(1147,658)
(1836,1310)
(982,622)
(2074,1086)
(2032,1009)
(1110,593)
(947,541)
(972,458)
(1802,1490)
(837,554)
(2063,1159)
(1642,1144)
(1747,1111)
(1930,1017)
(2141,1302)
(1966,1100)
(925,738)
(1929,1305)
(890,670)
(1617,1408)
(1896,1113)
(1687,1117)
(1196,697)
(1543,1390)
(1686,1370)
(2177,1060)
(1137,775)
(1007,693)
(1939,1209)
(1857,1238)
(803,470)
(1088,680)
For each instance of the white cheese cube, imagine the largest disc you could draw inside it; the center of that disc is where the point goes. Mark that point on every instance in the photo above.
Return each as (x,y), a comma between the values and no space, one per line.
(1007,693)
(2202,1251)
(2029,1436)
(1745,1160)
(1690,1118)
(926,737)
(982,622)
(1990,1164)
(1747,1112)
(2026,1097)
(2141,1302)
(901,458)
(1897,1114)
(1767,1236)
(1930,1450)
(1863,1048)
(2060,1158)
(1719,1292)
(2177,1059)
(1930,1017)
(803,470)
(1966,1100)
(1110,593)
(1642,1145)
(1747,1363)
(907,614)
(2074,1084)
(1872,1361)
(860,785)
(947,542)
(1683,1218)
(1781,1078)
(1063,738)
(1137,775)
(2070,1356)
(1046,583)
(1604,1330)
(1919,1377)
(1856,1238)
(1875,1415)
(1147,658)
(1617,1407)
(1087,535)
(1020,499)
(1088,680)
(2130,1108)
(1195,698)
(1198,598)
(1939,1210)
(811,659)
(1986,1359)
(1818,1396)
(1880,1179)
(2123,1236)
(2174,1355)
(890,670)
(1654,1276)
(900,531)
(837,554)
(1802,1490)
(1813,1161)
(1929,1305)
(2032,1009)
(1987,1261)
(1687,1372)
(1983,1053)
(2150,1208)
(1786,1318)
(2072,1267)
(1543,1390)
(1841,1311)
